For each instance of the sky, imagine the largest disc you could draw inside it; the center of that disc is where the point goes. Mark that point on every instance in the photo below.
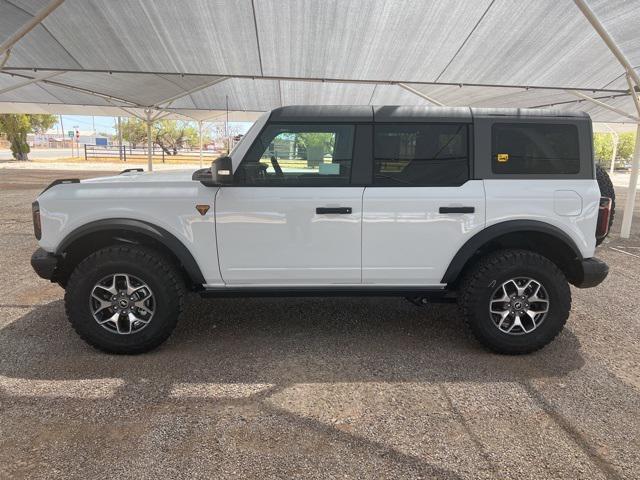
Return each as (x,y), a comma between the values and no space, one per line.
(107,124)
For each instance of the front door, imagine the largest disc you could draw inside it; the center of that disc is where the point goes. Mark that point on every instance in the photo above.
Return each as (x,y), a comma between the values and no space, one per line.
(291,217)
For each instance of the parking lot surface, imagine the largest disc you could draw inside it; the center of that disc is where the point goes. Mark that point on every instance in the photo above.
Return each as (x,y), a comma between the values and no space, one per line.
(314,387)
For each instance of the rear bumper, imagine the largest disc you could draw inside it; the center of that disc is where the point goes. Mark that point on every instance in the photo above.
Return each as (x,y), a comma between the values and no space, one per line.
(44,263)
(590,272)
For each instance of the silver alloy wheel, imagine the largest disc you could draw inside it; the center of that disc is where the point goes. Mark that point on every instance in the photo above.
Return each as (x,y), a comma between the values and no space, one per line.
(122,303)
(519,306)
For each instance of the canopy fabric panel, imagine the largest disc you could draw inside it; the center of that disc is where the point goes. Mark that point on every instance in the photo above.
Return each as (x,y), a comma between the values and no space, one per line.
(255,55)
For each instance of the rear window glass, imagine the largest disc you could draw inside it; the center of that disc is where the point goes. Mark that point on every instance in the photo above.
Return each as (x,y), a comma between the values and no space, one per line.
(421,155)
(524,148)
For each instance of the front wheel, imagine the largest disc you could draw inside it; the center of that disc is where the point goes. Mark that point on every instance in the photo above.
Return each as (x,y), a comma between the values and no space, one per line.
(124,299)
(515,301)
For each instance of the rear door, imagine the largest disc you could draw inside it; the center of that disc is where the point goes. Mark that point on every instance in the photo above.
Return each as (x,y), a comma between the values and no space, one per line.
(422,205)
(292,217)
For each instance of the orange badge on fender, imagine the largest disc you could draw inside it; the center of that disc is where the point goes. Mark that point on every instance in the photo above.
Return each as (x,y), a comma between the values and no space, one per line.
(203,209)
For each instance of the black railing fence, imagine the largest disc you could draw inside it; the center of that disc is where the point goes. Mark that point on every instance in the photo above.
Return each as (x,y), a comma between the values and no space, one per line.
(139,154)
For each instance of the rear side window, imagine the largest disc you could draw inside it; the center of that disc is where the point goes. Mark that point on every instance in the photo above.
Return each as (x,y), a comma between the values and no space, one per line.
(425,155)
(527,148)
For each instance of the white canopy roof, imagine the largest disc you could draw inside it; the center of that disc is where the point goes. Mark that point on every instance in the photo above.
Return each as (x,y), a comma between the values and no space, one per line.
(200,57)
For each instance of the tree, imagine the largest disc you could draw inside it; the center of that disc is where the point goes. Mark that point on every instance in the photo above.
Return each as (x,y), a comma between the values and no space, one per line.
(134,131)
(603,147)
(626,146)
(17,126)
(171,135)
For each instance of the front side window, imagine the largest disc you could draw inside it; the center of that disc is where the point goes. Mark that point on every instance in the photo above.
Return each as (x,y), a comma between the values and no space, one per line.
(528,148)
(421,155)
(299,155)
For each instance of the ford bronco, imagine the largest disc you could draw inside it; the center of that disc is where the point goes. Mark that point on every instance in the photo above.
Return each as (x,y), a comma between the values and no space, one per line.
(497,209)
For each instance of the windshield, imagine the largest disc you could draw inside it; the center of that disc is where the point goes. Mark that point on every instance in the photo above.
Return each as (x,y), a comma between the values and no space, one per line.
(240,149)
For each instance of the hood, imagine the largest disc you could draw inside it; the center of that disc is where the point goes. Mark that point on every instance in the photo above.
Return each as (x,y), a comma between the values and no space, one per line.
(143,177)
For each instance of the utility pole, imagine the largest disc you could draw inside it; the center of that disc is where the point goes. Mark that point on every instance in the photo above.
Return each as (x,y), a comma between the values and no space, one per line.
(62,128)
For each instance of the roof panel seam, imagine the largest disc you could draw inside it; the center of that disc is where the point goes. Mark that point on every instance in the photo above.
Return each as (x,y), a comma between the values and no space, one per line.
(38,84)
(465,40)
(373,92)
(255,25)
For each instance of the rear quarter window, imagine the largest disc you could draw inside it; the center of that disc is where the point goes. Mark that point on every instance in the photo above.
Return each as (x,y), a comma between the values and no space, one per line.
(527,148)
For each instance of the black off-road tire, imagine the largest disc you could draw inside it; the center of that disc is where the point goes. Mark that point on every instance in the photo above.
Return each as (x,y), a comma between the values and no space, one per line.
(606,190)
(148,265)
(488,274)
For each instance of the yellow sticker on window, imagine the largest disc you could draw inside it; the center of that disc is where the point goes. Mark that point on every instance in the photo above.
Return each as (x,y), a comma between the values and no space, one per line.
(503,157)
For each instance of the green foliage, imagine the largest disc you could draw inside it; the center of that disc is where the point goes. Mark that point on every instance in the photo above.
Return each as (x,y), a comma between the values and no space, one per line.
(626,145)
(134,131)
(316,140)
(603,147)
(41,123)
(17,126)
(169,135)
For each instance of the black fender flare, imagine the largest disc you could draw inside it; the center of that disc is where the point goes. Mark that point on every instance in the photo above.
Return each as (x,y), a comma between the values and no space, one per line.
(144,228)
(494,231)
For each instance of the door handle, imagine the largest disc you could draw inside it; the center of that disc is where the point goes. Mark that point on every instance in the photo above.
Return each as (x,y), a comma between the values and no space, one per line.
(333,210)
(457,210)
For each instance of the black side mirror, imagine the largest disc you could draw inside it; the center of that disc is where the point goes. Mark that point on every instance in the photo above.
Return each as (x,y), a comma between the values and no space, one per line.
(220,173)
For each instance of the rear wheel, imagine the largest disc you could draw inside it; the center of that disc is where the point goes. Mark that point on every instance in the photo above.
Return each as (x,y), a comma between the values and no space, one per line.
(515,301)
(124,299)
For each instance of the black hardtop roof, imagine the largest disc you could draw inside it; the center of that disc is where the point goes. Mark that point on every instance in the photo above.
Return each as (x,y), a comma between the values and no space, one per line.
(398,113)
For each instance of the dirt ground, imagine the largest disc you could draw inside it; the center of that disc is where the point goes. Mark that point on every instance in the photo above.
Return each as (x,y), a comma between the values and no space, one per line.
(314,388)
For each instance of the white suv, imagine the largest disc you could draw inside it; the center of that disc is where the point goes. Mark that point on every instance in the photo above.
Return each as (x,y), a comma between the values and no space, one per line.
(498,209)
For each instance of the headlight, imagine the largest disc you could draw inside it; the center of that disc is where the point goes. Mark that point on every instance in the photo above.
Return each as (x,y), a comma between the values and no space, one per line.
(37,226)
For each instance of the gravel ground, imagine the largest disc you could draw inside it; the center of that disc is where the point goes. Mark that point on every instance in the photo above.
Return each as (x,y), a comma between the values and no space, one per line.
(313,388)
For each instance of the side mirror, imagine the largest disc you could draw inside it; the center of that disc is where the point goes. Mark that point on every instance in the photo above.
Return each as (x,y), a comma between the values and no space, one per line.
(220,173)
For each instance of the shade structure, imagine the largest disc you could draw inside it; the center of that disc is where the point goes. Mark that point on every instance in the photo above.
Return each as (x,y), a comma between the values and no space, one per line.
(203,56)
(197,58)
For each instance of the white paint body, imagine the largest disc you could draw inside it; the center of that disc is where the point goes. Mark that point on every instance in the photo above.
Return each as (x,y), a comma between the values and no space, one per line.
(268,236)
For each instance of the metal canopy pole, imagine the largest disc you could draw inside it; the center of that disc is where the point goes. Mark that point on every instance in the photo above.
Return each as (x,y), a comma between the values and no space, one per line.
(149,143)
(598,27)
(635,166)
(163,103)
(421,95)
(30,25)
(200,139)
(120,137)
(633,80)
(615,139)
(603,105)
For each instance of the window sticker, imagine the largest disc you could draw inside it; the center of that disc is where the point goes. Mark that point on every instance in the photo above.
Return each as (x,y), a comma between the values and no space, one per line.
(503,157)
(329,169)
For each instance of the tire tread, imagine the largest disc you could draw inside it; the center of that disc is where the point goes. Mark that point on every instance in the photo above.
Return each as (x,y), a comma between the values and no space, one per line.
(471,285)
(144,255)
